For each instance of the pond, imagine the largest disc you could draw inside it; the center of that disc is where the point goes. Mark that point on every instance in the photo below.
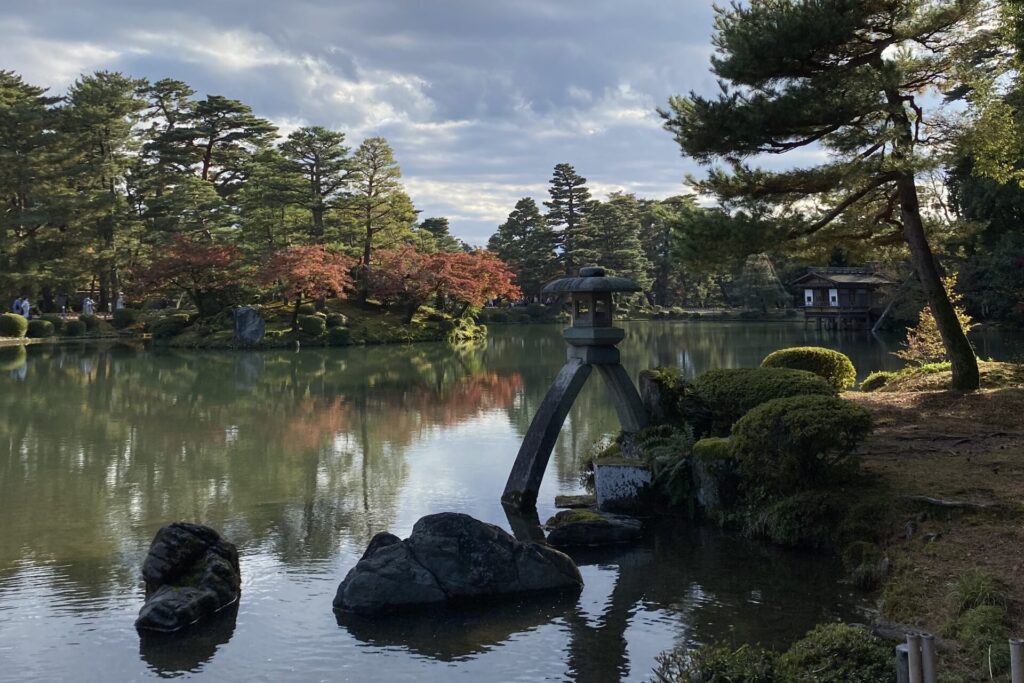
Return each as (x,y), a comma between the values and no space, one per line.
(301,457)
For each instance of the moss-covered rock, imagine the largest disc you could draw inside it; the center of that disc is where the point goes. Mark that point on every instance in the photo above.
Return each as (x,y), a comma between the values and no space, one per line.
(715,479)
(834,367)
(169,326)
(312,325)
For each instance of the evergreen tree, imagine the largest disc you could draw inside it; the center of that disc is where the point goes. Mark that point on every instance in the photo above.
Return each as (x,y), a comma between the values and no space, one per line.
(32,193)
(567,210)
(611,238)
(321,157)
(99,124)
(435,235)
(846,76)
(527,243)
(383,210)
(657,220)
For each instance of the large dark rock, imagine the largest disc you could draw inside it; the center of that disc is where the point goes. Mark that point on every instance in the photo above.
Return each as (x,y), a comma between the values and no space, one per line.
(190,573)
(450,557)
(574,528)
(249,325)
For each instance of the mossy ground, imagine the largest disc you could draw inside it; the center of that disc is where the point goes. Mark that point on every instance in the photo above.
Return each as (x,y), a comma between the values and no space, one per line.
(959,448)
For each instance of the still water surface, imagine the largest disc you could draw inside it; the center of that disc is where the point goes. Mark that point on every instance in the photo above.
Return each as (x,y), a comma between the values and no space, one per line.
(299,458)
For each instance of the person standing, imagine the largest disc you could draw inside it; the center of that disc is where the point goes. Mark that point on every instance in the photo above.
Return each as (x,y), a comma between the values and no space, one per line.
(88,306)
(16,306)
(26,307)
(119,302)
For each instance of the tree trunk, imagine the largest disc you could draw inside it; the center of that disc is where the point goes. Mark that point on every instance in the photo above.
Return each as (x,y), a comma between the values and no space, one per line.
(958,348)
(295,314)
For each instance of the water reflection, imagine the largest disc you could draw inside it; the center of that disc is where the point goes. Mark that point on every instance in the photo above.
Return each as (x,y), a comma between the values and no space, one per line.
(299,458)
(170,655)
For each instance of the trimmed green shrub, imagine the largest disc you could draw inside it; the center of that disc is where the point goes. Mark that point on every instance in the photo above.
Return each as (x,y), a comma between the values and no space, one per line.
(713,448)
(835,367)
(38,328)
(169,326)
(55,320)
(339,336)
(837,653)
(312,325)
(790,444)
(123,317)
(74,328)
(336,320)
(12,357)
(730,394)
(13,325)
(679,400)
(307,309)
(91,322)
(716,664)
(983,631)
(876,380)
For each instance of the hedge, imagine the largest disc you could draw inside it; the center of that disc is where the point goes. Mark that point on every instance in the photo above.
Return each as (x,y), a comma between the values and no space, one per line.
(312,325)
(835,367)
(789,444)
(74,328)
(730,394)
(837,653)
(876,380)
(39,329)
(169,326)
(13,325)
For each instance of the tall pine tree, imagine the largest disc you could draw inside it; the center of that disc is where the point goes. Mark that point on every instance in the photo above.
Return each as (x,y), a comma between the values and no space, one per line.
(567,210)
(320,156)
(845,76)
(527,244)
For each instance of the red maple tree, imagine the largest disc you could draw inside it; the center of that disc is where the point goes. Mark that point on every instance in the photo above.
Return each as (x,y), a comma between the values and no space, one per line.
(409,278)
(200,269)
(308,273)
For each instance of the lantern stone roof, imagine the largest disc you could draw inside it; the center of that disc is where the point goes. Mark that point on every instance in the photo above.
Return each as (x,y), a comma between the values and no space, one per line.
(591,279)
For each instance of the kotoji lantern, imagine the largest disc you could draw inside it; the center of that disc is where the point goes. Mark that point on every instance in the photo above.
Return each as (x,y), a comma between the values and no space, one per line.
(592,339)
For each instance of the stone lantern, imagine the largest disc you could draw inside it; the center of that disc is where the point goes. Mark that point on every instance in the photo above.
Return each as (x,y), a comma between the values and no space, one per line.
(592,339)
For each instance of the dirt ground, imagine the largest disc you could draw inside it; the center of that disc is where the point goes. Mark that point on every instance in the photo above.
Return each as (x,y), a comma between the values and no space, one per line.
(954,466)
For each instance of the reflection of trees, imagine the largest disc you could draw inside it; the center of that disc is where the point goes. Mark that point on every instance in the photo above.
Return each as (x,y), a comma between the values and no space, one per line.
(295,452)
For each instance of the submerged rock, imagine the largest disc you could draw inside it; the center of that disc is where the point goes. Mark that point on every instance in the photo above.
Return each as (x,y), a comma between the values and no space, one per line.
(571,502)
(450,557)
(190,573)
(571,528)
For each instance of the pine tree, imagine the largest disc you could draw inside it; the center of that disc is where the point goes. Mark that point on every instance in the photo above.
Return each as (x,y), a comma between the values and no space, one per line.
(567,210)
(527,243)
(321,157)
(846,76)
(611,238)
(379,204)
(435,235)
(657,220)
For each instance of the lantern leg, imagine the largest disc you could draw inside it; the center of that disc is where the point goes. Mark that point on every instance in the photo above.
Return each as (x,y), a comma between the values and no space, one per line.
(528,470)
(628,406)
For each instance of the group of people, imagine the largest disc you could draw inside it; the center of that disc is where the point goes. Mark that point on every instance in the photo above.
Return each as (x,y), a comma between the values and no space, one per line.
(23,306)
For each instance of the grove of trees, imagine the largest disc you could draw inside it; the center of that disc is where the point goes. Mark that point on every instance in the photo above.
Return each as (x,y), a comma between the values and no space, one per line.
(148,188)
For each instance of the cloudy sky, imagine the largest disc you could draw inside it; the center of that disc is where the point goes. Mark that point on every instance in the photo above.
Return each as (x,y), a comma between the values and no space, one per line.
(480,99)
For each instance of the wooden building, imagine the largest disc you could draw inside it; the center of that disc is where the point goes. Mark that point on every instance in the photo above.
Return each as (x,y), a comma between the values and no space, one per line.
(842,297)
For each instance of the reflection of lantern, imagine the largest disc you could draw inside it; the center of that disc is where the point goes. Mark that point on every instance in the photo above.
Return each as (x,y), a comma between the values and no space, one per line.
(592,341)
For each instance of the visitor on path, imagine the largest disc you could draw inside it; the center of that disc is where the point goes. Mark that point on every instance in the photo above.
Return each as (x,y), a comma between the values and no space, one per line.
(16,306)
(26,307)
(119,303)
(88,306)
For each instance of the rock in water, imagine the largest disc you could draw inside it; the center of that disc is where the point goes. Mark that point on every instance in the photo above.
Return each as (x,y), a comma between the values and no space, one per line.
(450,557)
(249,325)
(190,573)
(571,528)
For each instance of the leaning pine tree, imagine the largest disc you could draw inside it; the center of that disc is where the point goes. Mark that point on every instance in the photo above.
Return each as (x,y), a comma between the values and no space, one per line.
(851,78)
